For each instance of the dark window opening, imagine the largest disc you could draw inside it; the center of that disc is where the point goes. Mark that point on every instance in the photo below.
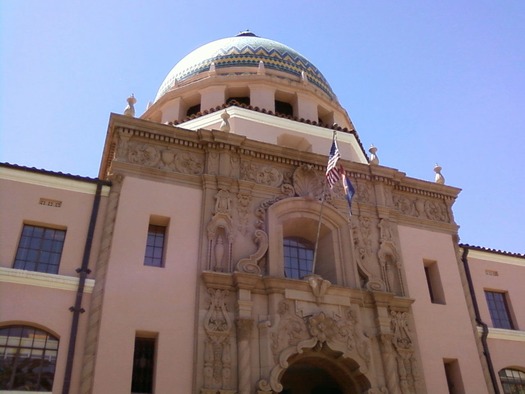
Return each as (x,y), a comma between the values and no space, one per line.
(298,257)
(193,110)
(499,310)
(40,249)
(239,100)
(143,365)
(154,255)
(283,108)
(27,359)
(435,288)
(453,376)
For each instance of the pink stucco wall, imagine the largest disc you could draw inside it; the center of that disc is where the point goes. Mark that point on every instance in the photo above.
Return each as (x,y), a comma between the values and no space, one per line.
(443,331)
(149,300)
(496,272)
(41,302)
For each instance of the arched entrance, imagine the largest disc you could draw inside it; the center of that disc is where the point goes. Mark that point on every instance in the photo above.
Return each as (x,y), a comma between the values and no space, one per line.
(322,371)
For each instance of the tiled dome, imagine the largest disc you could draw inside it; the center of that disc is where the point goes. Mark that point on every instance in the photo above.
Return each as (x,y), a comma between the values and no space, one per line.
(245,50)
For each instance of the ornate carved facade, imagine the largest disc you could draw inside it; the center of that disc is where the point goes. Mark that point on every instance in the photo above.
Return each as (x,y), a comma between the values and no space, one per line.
(254,196)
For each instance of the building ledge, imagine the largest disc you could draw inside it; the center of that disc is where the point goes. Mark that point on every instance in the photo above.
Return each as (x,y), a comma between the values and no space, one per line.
(508,335)
(40,279)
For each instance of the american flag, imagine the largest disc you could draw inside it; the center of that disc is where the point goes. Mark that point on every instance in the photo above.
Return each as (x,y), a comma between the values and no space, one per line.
(332,172)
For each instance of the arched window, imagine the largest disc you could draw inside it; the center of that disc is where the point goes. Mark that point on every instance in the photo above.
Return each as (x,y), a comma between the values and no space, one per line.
(298,257)
(512,381)
(27,359)
(293,228)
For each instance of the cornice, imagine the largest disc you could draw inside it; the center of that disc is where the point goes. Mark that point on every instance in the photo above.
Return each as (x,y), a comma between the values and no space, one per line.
(499,256)
(411,201)
(40,279)
(46,179)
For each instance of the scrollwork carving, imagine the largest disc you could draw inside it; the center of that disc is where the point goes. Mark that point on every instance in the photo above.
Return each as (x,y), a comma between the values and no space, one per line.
(250,264)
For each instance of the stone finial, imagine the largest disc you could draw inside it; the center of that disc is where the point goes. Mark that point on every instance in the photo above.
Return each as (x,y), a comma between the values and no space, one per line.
(212,71)
(439,178)
(261,70)
(130,109)
(374,160)
(225,125)
(304,78)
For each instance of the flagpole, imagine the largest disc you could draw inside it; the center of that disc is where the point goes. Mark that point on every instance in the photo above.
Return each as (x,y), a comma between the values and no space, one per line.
(334,138)
(318,228)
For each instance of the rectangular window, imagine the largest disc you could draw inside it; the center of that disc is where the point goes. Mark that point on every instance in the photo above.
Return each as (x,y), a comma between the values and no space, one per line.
(435,289)
(499,309)
(40,249)
(154,255)
(143,365)
(453,375)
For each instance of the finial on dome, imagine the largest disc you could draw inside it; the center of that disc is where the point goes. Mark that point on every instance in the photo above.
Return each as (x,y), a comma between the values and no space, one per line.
(374,160)
(304,78)
(245,33)
(261,70)
(130,109)
(438,178)
(225,125)
(212,69)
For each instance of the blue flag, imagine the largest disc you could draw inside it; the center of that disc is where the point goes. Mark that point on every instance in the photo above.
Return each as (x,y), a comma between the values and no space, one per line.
(348,187)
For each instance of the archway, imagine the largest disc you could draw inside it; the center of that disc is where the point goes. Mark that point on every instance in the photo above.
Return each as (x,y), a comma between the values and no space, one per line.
(322,371)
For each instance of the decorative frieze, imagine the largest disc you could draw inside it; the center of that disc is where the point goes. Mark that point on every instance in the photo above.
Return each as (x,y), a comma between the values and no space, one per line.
(431,209)
(261,174)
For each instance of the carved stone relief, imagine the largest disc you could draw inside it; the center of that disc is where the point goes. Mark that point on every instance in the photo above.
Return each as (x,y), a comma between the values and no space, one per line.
(407,367)
(389,259)
(293,333)
(217,348)
(365,241)
(262,174)
(287,191)
(251,264)
(363,192)
(308,183)
(243,207)
(220,234)
(159,157)
(431,209)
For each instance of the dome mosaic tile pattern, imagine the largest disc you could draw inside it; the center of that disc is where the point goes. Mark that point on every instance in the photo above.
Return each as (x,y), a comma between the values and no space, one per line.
(245,51)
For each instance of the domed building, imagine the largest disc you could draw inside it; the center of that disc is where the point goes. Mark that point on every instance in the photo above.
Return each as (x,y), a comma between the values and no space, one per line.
(239,239)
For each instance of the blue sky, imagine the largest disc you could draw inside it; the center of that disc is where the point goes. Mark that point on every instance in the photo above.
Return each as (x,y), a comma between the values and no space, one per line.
(426,82)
